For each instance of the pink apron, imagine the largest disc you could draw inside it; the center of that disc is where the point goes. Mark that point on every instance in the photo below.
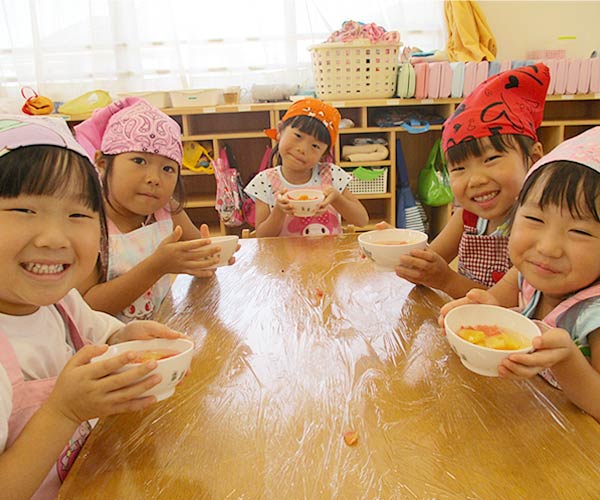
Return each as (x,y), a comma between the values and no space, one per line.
(326,223)
(526,295)
(28,397)
(127,250)
(481,257)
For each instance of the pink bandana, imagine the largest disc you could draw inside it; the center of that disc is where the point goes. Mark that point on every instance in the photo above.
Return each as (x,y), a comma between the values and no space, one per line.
(583,148)
(17,131)
(131,124)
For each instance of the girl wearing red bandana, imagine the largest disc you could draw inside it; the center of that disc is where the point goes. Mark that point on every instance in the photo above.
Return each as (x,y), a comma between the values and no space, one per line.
(305,136)
(490,142)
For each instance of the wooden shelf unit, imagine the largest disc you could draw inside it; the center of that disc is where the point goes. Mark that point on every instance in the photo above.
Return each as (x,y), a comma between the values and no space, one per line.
(241,128)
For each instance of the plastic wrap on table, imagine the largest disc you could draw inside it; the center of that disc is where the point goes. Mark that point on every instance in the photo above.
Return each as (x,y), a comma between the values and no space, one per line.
(302,347)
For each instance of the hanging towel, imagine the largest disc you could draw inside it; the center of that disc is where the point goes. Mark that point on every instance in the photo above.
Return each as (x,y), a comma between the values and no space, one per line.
(469,36)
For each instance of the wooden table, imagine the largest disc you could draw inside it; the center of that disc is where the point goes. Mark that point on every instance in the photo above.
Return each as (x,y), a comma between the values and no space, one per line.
(281,372)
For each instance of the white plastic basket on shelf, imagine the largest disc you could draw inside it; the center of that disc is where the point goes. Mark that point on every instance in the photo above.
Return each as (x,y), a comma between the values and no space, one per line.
(378,185)
(355,70)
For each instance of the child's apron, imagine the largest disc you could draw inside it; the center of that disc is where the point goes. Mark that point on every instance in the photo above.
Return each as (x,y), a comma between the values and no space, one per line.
(28,397)
(326,223)
(527,294)
(127,250)
(482,257)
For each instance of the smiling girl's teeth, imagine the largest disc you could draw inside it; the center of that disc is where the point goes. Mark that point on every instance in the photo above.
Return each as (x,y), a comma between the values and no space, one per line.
(44,268)
(485,197)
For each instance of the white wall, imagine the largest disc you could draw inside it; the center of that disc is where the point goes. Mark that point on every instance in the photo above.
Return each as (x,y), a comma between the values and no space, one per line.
(521,26)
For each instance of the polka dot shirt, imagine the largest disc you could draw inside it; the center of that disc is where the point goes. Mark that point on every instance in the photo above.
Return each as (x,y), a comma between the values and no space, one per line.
(260,187)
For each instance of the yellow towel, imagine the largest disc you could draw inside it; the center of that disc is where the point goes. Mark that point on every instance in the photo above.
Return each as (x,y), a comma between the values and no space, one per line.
(469,36)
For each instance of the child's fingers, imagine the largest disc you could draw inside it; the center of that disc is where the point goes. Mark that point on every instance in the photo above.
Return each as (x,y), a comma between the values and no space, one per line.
(383,225)
(153,329)
(515,369)
(130,377)
(204,231)
(100,369)
(85,354)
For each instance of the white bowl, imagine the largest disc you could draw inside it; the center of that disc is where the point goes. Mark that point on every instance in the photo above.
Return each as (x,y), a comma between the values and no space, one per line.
(306,207)
(477,358)
(228,245)
(385,246)
(172,369)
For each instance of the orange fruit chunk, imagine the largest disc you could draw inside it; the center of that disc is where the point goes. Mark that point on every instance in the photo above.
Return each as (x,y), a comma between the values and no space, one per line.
(351,438)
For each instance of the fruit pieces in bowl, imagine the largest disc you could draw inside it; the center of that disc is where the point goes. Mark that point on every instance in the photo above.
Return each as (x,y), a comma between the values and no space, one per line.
(483,335)
(305,201)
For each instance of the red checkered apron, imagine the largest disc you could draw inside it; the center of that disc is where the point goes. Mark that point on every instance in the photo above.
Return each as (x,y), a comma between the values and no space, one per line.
(482,258)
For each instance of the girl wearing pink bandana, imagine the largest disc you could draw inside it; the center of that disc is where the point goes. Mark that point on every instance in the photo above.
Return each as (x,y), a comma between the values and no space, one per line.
(305,136)
(489,142)
(554,246)
(137,150)
(52,228)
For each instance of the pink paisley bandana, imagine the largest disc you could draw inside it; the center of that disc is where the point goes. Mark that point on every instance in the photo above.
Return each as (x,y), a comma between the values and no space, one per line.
(131,124)
(17,131)
(583,148)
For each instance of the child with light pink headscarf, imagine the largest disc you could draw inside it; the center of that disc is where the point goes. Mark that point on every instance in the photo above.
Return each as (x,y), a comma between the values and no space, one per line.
(52,227)
(137,150)
(554,245)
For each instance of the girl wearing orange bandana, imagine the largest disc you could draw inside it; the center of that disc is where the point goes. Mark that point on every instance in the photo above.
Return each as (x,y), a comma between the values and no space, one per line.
(490,142)
(305,136)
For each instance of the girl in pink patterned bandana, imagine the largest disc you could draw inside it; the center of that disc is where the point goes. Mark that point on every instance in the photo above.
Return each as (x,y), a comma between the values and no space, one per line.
(137,150)
(305,136)
(554,245)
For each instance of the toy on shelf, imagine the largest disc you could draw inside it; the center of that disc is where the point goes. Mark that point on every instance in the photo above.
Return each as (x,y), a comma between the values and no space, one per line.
(36,104)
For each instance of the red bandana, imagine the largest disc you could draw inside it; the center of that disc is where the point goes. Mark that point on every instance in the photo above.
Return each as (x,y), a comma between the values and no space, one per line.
(511,102)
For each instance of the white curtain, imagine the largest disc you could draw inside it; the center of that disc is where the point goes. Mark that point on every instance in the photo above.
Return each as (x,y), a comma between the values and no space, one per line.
(63,48)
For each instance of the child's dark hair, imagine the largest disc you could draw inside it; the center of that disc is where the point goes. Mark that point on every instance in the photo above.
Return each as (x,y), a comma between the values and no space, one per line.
(500,142)
(52,171)
(178,194)
(565,184)
(307,125)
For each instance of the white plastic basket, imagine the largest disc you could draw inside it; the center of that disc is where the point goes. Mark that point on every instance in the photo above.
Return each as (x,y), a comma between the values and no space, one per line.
(355,70)
(199,97)
(373,186)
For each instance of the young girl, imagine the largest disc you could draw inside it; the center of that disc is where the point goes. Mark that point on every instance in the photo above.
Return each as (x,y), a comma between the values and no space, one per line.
(490,142)
(554,246)
(305,136)
(138,151)
(51,226)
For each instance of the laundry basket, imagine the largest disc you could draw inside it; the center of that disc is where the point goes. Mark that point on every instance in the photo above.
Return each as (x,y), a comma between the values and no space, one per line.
(355,70)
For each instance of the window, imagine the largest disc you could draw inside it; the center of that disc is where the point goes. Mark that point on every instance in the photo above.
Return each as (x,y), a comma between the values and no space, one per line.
(63,48)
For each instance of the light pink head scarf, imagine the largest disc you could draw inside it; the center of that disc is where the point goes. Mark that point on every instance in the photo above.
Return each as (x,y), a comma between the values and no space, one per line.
(17,131)
(131,124)
(583,148)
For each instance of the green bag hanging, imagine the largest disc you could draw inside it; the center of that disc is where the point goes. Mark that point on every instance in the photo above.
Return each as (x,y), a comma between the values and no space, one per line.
(434,183)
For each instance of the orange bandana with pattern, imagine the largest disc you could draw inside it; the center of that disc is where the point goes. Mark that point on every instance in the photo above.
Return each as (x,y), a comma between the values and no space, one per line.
(326,114)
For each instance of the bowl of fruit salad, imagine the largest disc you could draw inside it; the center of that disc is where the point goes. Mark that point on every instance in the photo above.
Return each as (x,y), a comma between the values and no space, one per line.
(483,335)
(172,356)
(305,201)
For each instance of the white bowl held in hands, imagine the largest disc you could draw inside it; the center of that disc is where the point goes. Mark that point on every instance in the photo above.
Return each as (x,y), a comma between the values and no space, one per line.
(477,358)
(305,201)
(172,368)
(385,246)
(228,245)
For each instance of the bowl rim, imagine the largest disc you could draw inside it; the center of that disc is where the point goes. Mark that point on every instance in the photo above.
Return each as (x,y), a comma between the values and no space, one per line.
(490,349)
(422,236)
(106,355)
(223,237)
(320,195)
